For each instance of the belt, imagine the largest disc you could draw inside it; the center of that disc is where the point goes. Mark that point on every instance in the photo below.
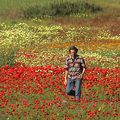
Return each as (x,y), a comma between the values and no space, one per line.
(74,75)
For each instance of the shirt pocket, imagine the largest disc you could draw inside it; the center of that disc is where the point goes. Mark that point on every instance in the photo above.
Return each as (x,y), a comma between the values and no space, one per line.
(77,64)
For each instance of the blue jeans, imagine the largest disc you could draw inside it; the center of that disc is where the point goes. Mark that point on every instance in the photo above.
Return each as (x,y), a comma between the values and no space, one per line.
(69,88)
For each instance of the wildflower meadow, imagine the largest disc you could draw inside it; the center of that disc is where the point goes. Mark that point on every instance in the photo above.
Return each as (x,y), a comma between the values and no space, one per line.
(32,74)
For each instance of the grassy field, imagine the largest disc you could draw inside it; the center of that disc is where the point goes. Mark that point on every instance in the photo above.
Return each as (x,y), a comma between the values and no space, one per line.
(14,8)
(16,4)
(32,58)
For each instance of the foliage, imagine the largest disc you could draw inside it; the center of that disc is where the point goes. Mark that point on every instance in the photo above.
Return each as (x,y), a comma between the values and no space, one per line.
(60,9)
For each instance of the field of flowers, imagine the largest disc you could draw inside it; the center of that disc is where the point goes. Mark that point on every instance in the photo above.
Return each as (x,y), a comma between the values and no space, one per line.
(32,56)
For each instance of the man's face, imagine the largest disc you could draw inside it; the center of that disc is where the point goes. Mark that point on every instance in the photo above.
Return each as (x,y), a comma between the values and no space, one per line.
(72,53)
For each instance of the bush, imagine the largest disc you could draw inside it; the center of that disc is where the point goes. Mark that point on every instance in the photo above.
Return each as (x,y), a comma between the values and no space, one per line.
(8,58)
(92,8)
(60,9)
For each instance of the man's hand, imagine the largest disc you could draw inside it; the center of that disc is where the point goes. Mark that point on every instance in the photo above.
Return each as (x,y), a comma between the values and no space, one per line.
(81,75)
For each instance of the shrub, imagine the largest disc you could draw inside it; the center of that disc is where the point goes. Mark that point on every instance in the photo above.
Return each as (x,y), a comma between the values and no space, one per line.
(60,9)
(8,58)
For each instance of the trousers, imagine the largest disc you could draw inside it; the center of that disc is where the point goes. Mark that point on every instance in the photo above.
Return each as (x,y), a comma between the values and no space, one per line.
(77,83)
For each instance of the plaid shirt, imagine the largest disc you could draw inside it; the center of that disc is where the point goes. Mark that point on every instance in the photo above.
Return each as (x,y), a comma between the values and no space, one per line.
(74,66)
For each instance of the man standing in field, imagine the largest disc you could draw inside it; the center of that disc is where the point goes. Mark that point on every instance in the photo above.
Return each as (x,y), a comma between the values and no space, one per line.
(75,69)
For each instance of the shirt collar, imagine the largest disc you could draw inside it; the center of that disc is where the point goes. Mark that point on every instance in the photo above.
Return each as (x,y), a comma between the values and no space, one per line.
(77,56)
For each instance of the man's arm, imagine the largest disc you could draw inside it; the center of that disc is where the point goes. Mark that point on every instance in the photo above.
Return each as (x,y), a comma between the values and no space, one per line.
(66,71)
(66,74)
(66,77)
(83,71)
(84,66)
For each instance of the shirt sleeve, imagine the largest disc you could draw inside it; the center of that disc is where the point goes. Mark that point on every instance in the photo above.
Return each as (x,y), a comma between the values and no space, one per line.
(66,64)
(83,63)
